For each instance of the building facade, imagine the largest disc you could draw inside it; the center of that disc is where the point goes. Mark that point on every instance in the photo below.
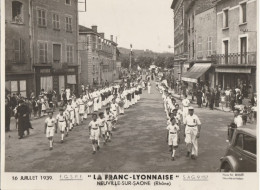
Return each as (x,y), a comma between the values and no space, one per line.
(236,44)
(55,37)
(98,57)
(18,59)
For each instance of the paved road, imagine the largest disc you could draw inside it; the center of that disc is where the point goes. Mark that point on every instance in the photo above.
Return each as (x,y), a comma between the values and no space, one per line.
(138,145)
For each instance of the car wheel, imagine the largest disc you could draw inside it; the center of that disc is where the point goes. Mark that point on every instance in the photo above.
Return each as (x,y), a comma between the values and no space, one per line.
(226,168)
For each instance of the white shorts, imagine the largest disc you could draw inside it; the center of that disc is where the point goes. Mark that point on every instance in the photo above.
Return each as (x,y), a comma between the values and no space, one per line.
(173,139)
(50,132)
(190,134)
(109,126)
(62,126)
(81,109)
(94,134)
(103,130)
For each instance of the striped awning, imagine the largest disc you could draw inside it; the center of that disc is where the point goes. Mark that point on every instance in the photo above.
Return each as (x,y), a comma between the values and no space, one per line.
(233,70)
(196,71)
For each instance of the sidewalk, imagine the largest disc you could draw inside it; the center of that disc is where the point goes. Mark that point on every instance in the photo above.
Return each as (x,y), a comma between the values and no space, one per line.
(194,102)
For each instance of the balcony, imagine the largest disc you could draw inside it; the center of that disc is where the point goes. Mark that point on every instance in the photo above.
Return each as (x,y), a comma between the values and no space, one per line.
(248,58)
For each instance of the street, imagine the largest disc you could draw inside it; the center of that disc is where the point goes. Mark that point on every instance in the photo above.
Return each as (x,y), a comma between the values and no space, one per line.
(138,144)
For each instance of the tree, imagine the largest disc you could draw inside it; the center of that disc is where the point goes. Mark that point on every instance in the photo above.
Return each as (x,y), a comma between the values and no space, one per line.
(169,62)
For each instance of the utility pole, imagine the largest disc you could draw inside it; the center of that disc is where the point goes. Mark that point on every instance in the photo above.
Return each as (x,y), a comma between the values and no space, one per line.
(130,65)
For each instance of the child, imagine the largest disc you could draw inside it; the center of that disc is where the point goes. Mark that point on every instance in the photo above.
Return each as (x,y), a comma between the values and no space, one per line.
(173,130)
(94,132)
(49,128)
(109,118)
(103,126)
(61,122)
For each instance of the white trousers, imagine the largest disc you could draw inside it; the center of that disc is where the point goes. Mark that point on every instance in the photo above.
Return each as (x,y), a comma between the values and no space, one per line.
(191,133)
(149,89)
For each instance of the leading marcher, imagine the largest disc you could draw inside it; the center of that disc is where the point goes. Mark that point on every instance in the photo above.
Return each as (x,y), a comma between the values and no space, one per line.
(192,126)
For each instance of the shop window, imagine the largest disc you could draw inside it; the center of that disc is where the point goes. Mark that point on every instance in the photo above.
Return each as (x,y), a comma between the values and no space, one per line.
(16,87)
(69,50)
(42,17)
(68,21)
(56,21)
(47,83)
(17,15)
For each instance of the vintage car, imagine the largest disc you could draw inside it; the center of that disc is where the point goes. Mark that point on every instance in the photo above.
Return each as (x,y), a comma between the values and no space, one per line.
(241,154)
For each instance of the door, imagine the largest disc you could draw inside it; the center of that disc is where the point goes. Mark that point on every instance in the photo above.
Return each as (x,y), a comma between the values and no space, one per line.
(56,53)
(226,51)
(243,50)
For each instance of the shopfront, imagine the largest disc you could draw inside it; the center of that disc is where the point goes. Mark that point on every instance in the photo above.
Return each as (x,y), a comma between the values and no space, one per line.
(49,79)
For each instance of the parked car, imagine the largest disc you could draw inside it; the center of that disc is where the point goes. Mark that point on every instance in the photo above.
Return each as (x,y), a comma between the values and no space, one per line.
(241,154)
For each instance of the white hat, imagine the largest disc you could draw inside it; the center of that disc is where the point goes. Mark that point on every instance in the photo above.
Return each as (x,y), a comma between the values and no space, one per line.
(191,108)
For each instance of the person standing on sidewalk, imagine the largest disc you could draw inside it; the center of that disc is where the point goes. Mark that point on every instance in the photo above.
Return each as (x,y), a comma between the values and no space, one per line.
(199,98)
(192,129)
(7,116)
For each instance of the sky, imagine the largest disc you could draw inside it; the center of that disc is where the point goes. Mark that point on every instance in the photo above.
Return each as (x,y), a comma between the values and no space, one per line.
(146,24)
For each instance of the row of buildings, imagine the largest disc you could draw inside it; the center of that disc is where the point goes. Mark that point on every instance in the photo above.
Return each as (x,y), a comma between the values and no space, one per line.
(215,42)
(46,48)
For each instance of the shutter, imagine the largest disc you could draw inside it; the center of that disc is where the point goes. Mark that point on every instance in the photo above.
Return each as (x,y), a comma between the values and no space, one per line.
(45,53)
(22,51)
(16,50)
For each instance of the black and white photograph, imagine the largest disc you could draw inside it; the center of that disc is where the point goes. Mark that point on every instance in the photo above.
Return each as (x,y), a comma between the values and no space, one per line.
(129,86)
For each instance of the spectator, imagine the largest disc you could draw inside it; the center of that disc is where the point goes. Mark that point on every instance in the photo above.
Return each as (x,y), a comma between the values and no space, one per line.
(239,98)
(7,116)
(227,93)
(211,99)
(35,106)
(199,98)
(217,98)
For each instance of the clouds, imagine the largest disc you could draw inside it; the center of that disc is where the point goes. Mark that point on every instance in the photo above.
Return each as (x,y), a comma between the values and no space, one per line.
(147,24)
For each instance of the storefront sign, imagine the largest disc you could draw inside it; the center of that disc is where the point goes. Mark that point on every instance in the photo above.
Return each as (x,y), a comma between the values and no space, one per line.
(45,71)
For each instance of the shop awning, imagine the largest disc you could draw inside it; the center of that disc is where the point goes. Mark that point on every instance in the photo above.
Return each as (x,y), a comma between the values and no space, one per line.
(196,71)
(233,70)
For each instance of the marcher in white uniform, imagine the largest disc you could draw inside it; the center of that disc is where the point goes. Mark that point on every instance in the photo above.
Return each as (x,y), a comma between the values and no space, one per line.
(109,119)
(94,132)
(71,112)
(149,87)
(85,101)
(50,128)
(103,126)
(75,106)
(113,108)
(173,130)
(192,133)
(81,106)
(68,93)
(61,122)
(185,107)
(121,103)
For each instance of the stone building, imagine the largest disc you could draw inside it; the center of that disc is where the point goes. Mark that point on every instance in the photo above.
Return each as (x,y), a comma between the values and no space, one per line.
(236,44)
(18,56)
(55,37)
(98,57)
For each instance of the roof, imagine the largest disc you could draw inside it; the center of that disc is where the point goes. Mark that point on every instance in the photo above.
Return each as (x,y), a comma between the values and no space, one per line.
(85,29)
(250,131)
(195,72)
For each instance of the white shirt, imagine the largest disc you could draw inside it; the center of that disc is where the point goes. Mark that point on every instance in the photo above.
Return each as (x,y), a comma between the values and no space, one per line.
(173,128)
(238,121)
(61,118)
(185,102)
(113,107)
(94,124)
(192,120)
(50,122)
(101,122)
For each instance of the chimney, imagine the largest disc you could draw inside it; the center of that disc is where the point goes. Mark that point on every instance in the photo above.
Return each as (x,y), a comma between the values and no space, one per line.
(94,28)
(102,35)
(111,38)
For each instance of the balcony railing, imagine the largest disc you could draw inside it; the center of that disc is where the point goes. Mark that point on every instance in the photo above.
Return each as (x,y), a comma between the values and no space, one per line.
(247,58)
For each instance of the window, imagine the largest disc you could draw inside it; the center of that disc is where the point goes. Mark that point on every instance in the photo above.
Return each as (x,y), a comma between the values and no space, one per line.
(56,21)
(42,49)
(42,17)
(225,17)
(209,46)
(56,48)
(16,87)
(239,141)
(250,144)
(199,47)
(69,54)
(243,13)
(17,15)
(68,24)
(68,2)
(18,47)
(94,42)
